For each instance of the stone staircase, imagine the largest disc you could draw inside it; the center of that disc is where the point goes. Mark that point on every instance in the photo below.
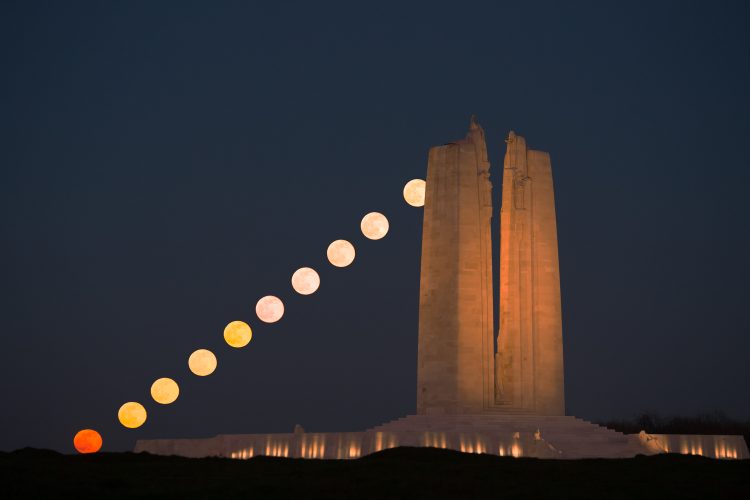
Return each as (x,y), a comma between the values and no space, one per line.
(571,437)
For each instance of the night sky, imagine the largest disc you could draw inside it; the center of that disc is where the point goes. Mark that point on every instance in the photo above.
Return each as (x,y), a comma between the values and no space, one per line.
(165,164)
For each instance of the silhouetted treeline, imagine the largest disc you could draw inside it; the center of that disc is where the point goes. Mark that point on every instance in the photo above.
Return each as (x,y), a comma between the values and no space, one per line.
(709,423)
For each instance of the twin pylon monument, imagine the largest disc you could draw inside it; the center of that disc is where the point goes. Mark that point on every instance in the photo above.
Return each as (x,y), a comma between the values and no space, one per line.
(479,390)
(460,369)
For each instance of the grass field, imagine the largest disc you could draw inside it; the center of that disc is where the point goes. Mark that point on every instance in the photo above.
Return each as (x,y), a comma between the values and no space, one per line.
(397,473)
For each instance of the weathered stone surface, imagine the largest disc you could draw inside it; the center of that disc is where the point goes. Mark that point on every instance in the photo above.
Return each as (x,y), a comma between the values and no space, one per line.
(529,363)
(456,347)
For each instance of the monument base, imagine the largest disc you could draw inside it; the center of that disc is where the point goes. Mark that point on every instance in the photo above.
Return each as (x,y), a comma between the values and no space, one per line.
(517,435)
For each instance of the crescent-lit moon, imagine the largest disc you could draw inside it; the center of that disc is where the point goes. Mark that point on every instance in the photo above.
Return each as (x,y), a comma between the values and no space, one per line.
(269,309)
(238,334)
(202,362)
(374,225)
(132,415)
(414,192)
(305,281)
(165,391)
(340,253)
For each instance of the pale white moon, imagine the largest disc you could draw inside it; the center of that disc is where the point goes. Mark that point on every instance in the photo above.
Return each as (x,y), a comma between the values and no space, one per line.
(340,253)
(374,225)
(305,281)
(414,192)
(202,362)
(269,309)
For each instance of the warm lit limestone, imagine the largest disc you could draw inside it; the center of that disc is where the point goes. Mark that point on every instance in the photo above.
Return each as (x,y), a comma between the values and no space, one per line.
(165,391)
(414,192)
(374,225)
(132,415)
(305,281)
(269,309)
(529,364)
(87,441)
(202,362)
(455,372)
(340,253)
(238,334)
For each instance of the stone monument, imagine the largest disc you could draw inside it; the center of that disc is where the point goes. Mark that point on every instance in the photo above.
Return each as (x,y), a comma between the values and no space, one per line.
(471,395)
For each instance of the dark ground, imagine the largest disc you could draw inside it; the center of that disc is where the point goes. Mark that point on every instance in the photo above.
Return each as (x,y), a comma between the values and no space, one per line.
(397,473)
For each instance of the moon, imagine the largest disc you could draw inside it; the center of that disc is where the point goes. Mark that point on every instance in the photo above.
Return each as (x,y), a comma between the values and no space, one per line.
(165,391)
(305,280)
(340,253)
(202,362)
(414,192)
(374,225)
(132,415)
(238,334)
(87,441)
(269,309)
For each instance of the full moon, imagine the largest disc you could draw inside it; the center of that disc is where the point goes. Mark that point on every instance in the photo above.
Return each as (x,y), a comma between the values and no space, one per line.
(202,362)
(414,192)
(374,225)
(340,253)
(165,391)
(238,334)
(269,309)
(87,441)
(305,280)
(132,415)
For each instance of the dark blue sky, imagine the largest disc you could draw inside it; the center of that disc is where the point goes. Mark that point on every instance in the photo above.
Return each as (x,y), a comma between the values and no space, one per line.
(165,164)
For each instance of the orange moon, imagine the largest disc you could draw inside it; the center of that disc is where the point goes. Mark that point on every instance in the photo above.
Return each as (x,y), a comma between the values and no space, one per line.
(202,362)
(305,281)
(132,415)
(165,391)
(87,441)
(340,253)
(374,225)
(269,309)
(238,334)
(414,192)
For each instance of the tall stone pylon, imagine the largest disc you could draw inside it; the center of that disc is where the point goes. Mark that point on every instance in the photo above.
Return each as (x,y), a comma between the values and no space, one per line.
(455,371)
(529,362)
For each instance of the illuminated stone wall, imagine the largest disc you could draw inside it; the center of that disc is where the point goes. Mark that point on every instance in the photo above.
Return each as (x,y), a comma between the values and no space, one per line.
(455,371)
(529,363)
(555,437)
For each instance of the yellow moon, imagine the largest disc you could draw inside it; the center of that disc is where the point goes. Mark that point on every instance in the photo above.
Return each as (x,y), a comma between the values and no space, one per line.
(165,391)
(238,334)
(414,192)
(202,362)
(269,309)
(340,253)
(132,415)
(305,280)
(374,225)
